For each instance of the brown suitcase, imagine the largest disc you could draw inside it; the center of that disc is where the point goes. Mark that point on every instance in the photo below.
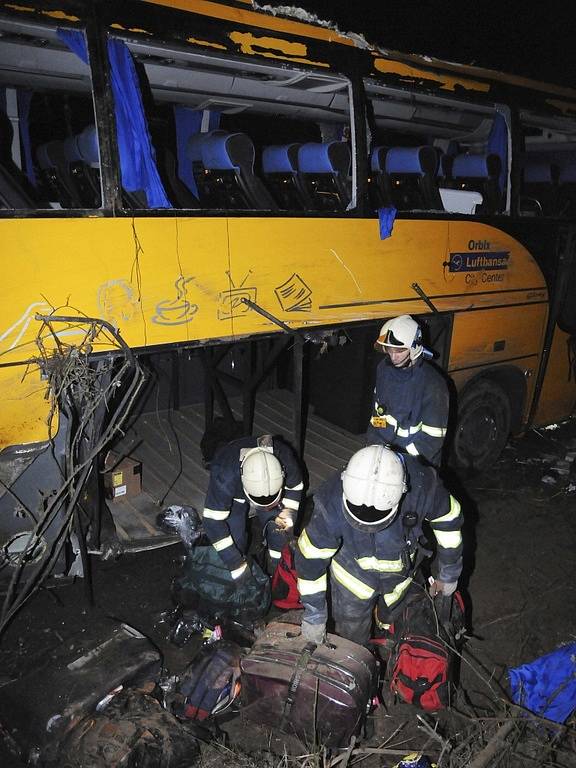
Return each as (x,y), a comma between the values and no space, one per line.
(321,693)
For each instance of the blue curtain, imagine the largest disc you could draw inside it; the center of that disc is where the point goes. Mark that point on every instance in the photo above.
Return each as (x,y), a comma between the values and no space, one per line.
(137,157)
(188,122)
(498,145)
(76,41)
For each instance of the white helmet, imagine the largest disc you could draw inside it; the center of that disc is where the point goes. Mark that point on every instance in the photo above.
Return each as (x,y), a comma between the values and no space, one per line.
(262,477)
(400,332)
(373,484)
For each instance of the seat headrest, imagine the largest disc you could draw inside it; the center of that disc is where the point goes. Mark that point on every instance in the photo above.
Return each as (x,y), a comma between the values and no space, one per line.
(280,158)
(568,173)
(539,172)
(197,141)
(72,150)
(222,151)
(87,142)
(51,154)
(486,166)
(414,160)
(228,152)
(332,157)
(378,159)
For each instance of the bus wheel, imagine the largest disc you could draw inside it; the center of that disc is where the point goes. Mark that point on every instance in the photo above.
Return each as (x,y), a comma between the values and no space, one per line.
(482,427)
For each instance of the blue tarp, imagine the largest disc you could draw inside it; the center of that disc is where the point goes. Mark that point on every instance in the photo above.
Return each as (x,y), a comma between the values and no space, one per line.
(547,686)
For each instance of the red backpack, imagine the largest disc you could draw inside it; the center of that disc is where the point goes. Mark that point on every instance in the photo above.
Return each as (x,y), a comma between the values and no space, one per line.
(285,582)
(421,664)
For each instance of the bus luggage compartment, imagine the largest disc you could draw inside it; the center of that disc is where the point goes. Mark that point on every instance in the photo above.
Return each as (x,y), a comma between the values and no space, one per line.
(320,694)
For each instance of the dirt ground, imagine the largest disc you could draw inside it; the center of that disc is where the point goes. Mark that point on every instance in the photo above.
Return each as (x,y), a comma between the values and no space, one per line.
(520,538)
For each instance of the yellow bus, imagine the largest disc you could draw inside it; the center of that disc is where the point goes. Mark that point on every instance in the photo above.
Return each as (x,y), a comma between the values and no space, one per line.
(207,177)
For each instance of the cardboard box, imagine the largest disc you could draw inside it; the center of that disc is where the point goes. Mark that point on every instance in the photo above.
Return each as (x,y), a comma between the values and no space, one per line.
(122,476)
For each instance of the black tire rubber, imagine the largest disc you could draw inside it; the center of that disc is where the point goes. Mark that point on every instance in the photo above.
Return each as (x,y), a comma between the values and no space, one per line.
(482,427)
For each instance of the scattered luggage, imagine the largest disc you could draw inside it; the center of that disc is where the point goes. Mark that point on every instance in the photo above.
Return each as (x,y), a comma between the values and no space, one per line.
(132,731)
(211,682)
(285,581)
(421,666)
(183,520)
(547,685)
(206,586)
(321,694)
(420,672)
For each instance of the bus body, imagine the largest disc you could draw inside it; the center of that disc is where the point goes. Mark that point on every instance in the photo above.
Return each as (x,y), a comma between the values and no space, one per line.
(197,173)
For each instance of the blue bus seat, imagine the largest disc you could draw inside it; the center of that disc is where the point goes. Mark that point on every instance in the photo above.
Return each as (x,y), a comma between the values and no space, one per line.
(324,170)
(539,187)
(223,165)
(378,183)
(83,157)
(479,173)
(55,173)
(411,174)
(16,191)
(280,170)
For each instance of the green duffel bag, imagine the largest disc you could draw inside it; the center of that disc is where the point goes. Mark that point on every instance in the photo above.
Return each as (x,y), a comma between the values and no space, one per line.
(206,586)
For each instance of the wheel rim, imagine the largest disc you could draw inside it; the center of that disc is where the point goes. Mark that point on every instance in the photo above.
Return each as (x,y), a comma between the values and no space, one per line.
(479,432)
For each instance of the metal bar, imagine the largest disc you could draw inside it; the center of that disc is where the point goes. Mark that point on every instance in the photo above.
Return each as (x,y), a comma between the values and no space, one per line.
(269,316)
(424,298)
(300,412)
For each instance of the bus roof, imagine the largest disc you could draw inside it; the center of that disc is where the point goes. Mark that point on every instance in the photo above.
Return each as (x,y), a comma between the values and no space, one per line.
(297,21)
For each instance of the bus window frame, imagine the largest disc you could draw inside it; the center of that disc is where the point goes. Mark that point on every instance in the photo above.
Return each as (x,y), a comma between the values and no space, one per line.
(103,107)
(354,208)
(507,111)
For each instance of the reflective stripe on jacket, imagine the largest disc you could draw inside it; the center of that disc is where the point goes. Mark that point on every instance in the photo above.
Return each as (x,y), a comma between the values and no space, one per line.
(367,562)
(410,409)
(226,504)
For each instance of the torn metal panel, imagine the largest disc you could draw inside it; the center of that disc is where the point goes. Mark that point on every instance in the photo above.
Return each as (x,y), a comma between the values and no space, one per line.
(69,681)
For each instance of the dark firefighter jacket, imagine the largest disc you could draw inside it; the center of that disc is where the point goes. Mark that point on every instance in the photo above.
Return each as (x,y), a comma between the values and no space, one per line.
(225,500)
(369,563)
(410,409)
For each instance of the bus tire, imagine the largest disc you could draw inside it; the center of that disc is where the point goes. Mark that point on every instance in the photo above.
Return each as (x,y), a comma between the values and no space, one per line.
(482,427)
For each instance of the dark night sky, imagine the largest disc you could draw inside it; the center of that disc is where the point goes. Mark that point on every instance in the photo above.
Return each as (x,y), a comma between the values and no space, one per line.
(533,38)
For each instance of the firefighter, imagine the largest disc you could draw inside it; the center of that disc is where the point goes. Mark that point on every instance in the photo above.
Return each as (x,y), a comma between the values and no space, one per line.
(411,397)
(366,529)
(258,473)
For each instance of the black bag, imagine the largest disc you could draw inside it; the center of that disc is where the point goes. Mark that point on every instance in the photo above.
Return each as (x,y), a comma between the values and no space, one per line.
(207,586)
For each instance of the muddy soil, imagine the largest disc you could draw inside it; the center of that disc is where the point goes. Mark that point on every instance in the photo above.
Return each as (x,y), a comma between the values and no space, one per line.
(519,584)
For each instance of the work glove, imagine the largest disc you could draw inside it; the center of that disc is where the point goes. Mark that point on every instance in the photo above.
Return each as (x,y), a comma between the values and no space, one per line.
(314,633)
(445,588)
(284,521)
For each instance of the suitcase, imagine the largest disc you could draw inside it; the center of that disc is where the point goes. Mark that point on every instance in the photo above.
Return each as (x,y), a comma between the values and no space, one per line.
(321,694)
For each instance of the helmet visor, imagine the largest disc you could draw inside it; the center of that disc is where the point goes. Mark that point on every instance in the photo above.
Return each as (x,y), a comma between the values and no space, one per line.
(265,501)
(370,515)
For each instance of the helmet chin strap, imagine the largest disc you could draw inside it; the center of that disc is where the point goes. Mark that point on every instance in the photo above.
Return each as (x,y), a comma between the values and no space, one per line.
(405,363)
